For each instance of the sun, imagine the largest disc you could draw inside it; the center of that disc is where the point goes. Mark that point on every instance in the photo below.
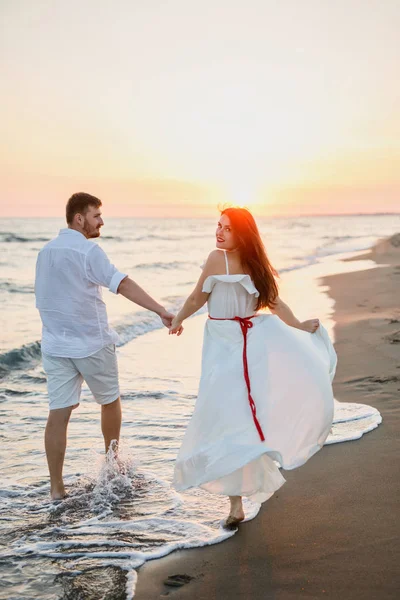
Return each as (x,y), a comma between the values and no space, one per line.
(246,195)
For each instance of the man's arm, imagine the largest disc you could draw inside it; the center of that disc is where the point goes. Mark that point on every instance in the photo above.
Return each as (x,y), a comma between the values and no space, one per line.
(133,292)
(100,271)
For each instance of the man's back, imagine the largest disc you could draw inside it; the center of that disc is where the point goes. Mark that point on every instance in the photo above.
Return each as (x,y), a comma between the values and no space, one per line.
(70,271)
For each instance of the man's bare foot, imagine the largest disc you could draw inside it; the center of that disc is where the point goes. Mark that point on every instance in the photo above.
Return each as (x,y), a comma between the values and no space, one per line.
(112,451)
(58,494)
(311,325)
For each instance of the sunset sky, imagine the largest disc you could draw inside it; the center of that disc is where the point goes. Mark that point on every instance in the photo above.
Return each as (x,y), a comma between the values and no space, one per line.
(171,108)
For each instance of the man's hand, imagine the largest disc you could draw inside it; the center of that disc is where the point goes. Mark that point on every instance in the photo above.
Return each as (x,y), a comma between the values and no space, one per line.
(166,317)
(176,327)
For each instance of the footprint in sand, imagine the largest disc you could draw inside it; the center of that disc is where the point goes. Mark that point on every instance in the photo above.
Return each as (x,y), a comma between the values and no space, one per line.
(394,338)
(373,383)
(177,581)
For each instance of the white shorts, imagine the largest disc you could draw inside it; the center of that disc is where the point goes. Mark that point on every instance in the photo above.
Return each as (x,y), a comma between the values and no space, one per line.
(66,375)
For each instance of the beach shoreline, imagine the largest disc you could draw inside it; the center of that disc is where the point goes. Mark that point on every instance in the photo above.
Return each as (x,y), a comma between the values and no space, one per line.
(331,531)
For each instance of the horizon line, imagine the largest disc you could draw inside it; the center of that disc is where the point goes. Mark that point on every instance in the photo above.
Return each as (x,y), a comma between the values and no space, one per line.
(258,216)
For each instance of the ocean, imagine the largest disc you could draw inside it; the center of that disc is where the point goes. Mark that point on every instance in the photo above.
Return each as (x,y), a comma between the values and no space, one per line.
(114,519)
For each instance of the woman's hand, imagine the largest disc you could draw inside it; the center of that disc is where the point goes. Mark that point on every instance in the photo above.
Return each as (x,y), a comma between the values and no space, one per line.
(311,325)
(166,317)
(176,327)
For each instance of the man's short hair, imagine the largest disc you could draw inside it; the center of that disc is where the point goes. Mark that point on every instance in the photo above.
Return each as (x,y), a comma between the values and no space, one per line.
(79,203)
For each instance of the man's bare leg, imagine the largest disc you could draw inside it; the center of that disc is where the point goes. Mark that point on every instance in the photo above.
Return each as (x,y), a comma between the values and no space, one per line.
(111,422)
(55,439)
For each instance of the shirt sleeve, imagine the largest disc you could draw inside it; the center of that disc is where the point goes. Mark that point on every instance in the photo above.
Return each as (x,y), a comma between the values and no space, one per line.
(100,271)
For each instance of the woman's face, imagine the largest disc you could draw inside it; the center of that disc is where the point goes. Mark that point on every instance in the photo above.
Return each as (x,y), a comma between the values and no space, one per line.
(225,237)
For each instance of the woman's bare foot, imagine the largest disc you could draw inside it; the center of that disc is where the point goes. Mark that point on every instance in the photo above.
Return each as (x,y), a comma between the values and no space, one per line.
(232,522)
(311,325)
(236,514)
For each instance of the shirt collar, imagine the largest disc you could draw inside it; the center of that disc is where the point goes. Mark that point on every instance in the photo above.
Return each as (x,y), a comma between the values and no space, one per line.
(68,231)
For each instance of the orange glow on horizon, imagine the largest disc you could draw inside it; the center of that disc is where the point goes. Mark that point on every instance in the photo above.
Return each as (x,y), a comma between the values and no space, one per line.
(305,123)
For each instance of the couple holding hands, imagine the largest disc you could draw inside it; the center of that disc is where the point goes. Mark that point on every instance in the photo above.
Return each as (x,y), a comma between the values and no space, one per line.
(265,396)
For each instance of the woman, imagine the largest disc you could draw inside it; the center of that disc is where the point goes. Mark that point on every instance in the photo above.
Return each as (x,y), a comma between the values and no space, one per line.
(265,394)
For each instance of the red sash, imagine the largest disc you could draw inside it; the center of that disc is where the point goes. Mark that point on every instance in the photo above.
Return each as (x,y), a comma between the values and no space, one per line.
(245,324)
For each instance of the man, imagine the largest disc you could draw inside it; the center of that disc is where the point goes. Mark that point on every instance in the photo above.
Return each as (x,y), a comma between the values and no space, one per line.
(77,343)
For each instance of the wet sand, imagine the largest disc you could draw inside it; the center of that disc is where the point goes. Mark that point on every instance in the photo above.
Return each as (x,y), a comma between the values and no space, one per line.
(332,531)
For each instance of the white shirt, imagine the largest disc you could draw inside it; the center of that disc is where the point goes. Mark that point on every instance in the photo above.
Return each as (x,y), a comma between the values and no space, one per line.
(70,271)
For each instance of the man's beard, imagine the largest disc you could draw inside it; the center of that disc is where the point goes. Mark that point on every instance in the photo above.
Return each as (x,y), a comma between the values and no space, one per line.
(91,232)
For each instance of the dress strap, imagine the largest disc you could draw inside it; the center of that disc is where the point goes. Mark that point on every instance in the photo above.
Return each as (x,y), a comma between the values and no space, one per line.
(226,263)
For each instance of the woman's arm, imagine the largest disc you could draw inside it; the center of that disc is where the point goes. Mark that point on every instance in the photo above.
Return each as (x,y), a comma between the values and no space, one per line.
(282,310)
(197,298)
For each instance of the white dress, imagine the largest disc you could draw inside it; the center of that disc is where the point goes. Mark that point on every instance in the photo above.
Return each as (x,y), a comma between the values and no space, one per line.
(290,373)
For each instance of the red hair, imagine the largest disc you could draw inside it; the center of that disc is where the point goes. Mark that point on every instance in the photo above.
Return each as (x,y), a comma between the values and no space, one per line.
(253,255)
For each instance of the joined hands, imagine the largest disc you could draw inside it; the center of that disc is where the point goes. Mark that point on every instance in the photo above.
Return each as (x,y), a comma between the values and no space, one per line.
(176,327)
(169,320)
(166,317)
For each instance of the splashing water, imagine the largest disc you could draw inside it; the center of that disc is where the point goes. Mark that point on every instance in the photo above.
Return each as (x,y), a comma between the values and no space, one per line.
(110,523)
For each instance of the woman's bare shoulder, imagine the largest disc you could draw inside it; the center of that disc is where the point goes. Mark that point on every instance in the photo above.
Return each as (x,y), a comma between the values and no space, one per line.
(215,263)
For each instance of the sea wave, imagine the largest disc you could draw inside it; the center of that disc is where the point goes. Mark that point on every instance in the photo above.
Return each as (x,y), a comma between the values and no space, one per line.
(170,237)
(351,421)
(13,288)
(164,265)
(311,260)
(9,237)
(19,358)
(341,244)
(341,238)
(334,247)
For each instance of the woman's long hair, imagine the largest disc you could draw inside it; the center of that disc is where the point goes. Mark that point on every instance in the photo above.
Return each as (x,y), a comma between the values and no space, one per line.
(253,255)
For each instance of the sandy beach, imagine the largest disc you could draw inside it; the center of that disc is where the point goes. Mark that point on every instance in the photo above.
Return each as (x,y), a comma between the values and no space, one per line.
(332,531)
